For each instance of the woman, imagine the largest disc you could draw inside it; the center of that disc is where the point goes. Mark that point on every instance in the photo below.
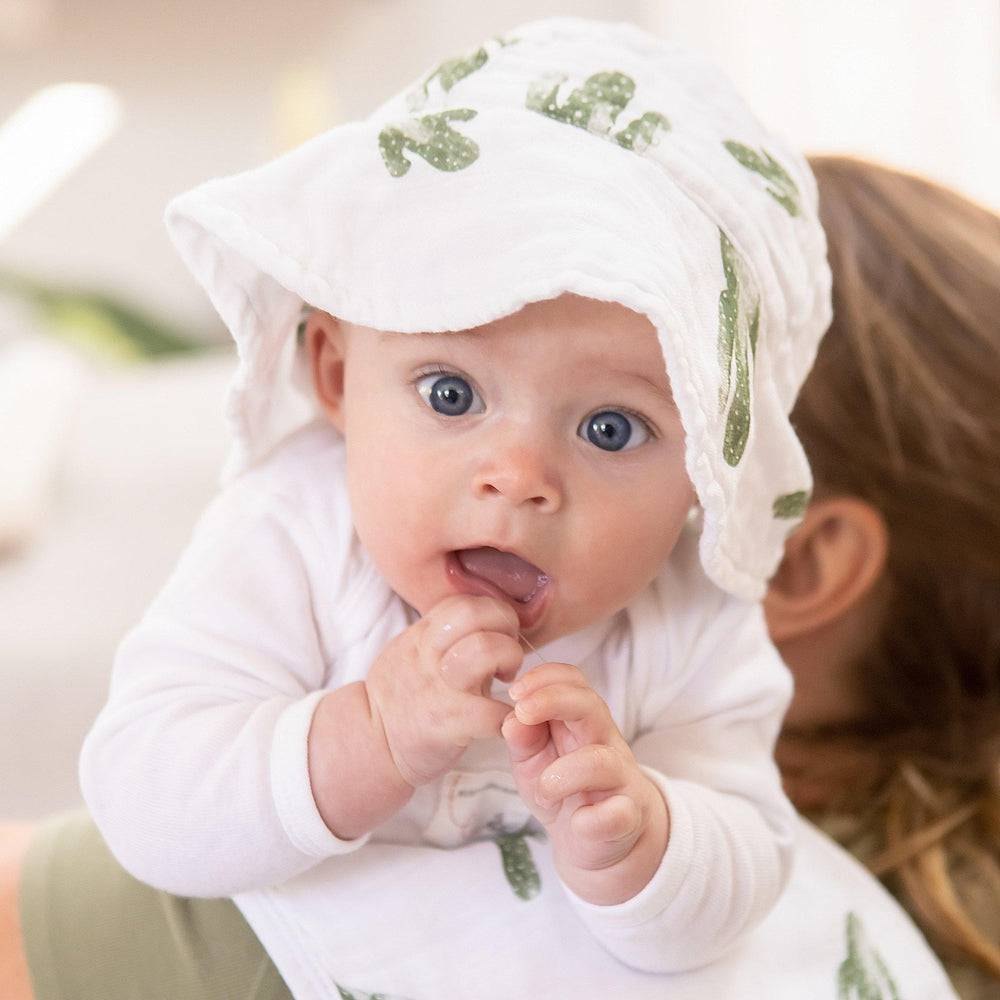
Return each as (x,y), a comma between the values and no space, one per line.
(887,604)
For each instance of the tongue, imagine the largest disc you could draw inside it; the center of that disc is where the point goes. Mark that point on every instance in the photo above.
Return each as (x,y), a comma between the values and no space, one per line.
(515,577)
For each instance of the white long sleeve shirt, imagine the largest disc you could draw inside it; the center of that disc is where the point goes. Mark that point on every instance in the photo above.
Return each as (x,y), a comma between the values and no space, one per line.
(196,769)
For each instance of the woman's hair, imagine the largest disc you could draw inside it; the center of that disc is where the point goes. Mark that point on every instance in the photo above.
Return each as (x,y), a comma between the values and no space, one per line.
(902,409)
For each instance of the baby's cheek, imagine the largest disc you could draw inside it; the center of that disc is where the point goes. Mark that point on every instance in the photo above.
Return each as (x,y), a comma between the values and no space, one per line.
(611,573)
(634,556)
(389,519)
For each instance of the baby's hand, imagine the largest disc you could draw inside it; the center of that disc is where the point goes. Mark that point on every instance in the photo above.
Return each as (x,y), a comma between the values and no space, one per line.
(575,771)
(430,686)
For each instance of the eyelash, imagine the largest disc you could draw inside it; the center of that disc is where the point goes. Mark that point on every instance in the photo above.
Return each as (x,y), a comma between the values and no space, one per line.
(438,370)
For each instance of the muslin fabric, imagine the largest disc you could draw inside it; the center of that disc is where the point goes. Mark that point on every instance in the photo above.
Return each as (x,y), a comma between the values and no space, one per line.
(566,155)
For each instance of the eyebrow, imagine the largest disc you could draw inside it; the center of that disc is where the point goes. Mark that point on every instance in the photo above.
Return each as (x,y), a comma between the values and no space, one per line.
(666,397)
(426,334)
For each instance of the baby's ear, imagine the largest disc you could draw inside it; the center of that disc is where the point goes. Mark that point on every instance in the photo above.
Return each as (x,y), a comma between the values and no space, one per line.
(325,341)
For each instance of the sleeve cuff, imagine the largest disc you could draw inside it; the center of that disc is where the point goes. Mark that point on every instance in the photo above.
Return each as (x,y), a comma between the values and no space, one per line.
(665,885)
(290,787)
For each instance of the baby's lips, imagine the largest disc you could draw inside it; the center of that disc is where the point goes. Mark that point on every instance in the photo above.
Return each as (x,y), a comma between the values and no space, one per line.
(508,571)
(528,612)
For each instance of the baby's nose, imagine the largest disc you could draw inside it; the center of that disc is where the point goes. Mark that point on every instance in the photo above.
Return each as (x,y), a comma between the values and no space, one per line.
(521,474)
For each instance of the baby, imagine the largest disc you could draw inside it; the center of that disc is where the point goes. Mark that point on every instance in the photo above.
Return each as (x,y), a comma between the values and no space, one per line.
(537,513)
(562,294)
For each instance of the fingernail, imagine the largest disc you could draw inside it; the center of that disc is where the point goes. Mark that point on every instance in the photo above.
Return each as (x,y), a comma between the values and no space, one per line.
(516,689)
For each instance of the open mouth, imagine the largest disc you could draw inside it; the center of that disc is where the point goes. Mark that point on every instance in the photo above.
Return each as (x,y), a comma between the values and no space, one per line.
(494,573)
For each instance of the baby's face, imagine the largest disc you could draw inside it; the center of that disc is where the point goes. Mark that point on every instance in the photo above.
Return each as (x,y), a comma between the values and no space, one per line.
(550,434)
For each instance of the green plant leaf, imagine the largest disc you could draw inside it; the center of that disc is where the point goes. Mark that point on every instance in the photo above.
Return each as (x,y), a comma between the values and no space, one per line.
(99,322)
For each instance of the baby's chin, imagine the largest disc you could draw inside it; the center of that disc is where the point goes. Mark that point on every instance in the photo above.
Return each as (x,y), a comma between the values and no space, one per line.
(538,638)
(554,628)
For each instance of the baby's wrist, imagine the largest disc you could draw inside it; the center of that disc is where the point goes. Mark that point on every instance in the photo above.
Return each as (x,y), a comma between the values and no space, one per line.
(625,879)
(355,782)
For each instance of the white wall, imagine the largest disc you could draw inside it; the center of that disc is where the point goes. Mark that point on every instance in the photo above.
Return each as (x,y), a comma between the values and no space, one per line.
(915,83)
(215,86)
(211,87)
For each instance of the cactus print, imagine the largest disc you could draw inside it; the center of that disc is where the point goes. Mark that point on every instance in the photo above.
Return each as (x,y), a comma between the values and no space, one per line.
(863,975)
(596,106)
(346,994)
(781,187)
(643,132)
(451,71)
(430,137)
(791,504)
(518,865)
(739,321)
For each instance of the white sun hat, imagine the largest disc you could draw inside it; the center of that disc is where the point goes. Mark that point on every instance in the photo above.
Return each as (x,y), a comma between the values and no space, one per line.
(565,156)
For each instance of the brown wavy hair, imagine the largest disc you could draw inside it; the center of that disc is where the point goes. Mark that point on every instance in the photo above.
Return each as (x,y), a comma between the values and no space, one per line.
(902,409)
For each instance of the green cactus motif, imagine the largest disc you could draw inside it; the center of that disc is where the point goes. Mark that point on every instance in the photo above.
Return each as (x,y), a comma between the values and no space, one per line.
(863,974)
(449,72)
(596,106)
(739,322)
(518,865)
(300,329)
(430,137)
(790,505)
(784,190)
(643,132)
(346,994)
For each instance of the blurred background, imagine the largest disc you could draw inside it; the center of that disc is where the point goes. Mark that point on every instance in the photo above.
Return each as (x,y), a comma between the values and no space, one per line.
(112,362)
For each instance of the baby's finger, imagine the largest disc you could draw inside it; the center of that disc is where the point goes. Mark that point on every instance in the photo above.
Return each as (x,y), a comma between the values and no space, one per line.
(523,742)
(547,673)
(479,718)
(472,662)
(593,768)
(462,614)
(617,818)
(582,709)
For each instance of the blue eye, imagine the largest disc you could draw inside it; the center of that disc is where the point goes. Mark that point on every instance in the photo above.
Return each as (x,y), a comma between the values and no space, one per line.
(611,430)
(449,395)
